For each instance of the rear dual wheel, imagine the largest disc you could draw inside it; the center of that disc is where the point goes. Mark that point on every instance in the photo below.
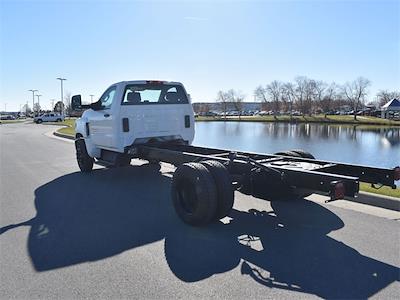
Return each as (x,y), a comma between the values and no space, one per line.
(201,192)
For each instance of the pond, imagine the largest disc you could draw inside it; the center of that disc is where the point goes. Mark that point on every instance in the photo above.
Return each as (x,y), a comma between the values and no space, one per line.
(366,145)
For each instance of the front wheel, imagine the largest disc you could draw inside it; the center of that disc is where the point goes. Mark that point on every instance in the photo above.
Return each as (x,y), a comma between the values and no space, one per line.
(85,162)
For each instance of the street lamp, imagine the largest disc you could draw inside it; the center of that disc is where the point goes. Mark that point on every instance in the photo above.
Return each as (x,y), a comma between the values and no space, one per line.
(33,97)
(91,98)
(38,102)
(62,91)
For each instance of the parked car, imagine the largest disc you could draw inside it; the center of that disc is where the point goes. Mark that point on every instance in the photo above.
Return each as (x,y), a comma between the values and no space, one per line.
(50,117)
(7,117)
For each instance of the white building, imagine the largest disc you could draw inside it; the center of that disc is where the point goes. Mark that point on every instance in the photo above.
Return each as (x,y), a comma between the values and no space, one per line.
(392,106)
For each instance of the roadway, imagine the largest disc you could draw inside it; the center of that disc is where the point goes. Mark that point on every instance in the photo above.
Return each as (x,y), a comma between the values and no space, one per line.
(113,234)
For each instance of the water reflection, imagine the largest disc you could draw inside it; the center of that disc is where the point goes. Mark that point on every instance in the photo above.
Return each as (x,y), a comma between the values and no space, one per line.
(379,146)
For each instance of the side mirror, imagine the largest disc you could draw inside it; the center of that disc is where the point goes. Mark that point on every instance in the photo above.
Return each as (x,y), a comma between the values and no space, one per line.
(76,102)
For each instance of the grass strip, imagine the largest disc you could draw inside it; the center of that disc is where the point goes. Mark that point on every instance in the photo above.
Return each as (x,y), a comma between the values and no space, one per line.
(385,190)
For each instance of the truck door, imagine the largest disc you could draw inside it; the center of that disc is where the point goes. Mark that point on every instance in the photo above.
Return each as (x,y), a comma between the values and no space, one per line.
(101,121)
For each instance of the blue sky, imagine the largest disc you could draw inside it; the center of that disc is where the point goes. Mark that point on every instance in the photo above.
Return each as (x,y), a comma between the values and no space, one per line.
(207,45)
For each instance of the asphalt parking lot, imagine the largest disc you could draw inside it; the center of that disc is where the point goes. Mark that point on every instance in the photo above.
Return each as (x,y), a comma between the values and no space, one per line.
(113,234)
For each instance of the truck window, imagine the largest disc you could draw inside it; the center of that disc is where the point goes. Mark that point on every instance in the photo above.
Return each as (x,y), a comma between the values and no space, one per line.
(142,94)
(108,97)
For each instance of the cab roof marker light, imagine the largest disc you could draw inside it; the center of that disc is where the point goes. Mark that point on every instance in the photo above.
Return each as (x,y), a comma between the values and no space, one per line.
(155,81)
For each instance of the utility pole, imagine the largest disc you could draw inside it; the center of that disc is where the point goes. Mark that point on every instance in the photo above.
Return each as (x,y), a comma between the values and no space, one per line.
(91,98)
(38,102)
(33,98)
(5,107)
(62,93)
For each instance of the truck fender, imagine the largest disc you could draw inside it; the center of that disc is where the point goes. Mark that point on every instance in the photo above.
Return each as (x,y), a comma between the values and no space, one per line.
(80,129)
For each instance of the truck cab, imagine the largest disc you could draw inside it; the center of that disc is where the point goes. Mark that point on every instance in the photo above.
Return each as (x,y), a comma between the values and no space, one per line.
(135,112)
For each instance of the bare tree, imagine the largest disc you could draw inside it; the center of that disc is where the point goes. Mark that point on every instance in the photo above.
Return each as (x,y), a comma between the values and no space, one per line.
(320,88)
(237,98)
(260,94)
(329,96)
(274,90)
(310,94)
(67,102)
(300,91)
(384,96)
(355,92)
(59,107)
(223,98)
(26,109)
(288,95)
(36,108)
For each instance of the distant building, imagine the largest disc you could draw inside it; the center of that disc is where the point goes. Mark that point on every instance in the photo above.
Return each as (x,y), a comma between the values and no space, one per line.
(390,108)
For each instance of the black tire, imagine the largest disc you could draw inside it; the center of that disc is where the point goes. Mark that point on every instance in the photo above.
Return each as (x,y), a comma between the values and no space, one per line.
(194,194)
(85,162)
(303,154)
(39,121)
(225,192)
(58,120)
(288,153)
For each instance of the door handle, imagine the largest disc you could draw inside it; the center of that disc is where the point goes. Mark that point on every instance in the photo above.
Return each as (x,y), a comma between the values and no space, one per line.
(106,115)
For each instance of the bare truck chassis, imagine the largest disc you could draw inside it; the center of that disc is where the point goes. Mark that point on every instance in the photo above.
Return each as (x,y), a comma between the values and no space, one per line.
(264,176)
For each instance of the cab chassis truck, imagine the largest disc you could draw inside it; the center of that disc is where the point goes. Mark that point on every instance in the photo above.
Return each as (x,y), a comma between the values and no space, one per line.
(154,121)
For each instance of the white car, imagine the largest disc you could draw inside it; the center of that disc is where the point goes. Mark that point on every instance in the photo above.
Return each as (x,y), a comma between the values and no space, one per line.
(50,117)
(130,113)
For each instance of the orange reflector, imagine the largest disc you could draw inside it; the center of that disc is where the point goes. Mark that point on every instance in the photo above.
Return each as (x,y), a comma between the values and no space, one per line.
(338,190)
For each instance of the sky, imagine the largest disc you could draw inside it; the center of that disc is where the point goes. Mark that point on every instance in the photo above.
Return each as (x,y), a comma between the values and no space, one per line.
(206,45)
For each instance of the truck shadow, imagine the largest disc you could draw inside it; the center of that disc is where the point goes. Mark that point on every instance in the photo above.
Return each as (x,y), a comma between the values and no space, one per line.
(88,217)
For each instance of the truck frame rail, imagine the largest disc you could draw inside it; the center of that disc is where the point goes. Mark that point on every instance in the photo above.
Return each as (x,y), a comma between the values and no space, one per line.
(253,172)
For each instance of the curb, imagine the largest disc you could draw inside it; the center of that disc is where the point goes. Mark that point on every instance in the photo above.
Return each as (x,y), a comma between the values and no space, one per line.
(65,136)
(381,201)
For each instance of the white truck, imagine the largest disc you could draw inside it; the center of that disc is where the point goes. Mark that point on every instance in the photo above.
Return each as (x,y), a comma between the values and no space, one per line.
(154,121)
(129,113)
(48,117)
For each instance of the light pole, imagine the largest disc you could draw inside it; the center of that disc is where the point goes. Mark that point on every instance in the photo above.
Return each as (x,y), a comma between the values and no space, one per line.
(91,98)
(62,91)
(5,107)
(38,102)
(33,98)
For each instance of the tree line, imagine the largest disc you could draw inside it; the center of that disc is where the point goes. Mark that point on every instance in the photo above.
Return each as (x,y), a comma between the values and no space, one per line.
(59,106)
(308,96)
